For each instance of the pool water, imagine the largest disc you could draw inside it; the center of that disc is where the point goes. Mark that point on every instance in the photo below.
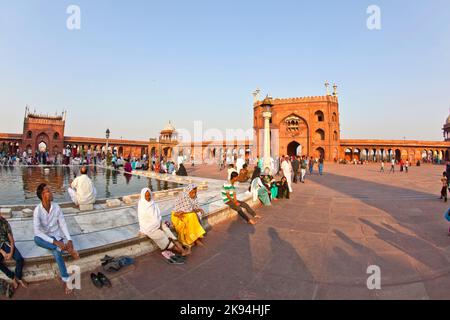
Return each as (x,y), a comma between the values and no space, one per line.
(18,184)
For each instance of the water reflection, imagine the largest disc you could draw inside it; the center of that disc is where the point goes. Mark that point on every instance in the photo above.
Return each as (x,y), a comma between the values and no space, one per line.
(18,184)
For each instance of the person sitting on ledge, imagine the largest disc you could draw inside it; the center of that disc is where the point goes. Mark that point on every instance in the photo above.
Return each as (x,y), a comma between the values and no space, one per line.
(8,251)
(283,188)
(243,174)
(151,225)
(186,217)
(50,231)
(82,190)
(229,198)
(182,171)
(128,167)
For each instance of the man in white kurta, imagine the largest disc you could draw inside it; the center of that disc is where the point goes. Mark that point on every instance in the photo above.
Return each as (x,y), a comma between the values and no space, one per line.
(240,164)
(180,160)
(82,190)
(287,172)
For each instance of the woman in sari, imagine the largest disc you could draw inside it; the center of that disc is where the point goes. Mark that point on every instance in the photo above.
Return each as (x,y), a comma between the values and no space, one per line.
(259,190)
(186,217)
(182,171)
(151,224)
(283,188)
(270,183)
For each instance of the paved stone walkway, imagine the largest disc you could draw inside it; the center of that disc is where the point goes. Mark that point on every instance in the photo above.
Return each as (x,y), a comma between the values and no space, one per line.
(317,245)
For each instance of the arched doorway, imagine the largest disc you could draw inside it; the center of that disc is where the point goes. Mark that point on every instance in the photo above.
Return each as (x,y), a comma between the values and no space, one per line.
(348,154)
(357,154)
(398,155)
(320,153)
(293,148)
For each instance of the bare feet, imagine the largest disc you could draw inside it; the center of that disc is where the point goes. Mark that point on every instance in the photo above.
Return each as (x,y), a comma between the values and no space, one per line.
(68,290)
(252,222)
(258,216)
(199,243)
(23,283)
(186,252)
(74,254)
(15,284)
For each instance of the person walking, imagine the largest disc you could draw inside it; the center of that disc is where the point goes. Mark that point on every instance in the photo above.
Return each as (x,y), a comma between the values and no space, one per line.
(382,166)
(444,181)
(295,168)
(311,165)
(321,166)
(392,166)
(303,166)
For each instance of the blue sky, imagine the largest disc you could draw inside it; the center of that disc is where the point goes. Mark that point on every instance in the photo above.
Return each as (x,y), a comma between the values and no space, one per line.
(134,65)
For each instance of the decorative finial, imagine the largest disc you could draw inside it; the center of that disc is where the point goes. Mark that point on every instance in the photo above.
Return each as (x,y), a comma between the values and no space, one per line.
(256,95)
(327,85)
(335,93)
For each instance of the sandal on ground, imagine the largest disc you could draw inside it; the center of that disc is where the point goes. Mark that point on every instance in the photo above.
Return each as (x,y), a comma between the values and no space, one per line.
(111,266)
(178,259)
(125,261)
(96,281)
(107,258)
(104,280)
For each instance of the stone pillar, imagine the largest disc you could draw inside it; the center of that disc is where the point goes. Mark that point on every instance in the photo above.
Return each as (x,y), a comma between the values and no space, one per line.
(267,116)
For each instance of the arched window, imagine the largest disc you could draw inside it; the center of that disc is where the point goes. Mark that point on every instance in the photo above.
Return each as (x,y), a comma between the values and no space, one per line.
(320,134)
(319,116)
(56,136)
(334,117)
(29,134)
(335,136)
(292,124)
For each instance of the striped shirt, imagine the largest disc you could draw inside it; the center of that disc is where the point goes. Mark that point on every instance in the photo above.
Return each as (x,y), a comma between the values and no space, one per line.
(228,187)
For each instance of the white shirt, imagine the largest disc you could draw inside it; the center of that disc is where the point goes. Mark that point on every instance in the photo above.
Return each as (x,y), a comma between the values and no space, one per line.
(286,167)
(50,225)
(239,164)
(85,189)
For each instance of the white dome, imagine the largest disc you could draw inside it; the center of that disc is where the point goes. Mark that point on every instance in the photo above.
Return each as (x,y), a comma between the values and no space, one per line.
(169,127)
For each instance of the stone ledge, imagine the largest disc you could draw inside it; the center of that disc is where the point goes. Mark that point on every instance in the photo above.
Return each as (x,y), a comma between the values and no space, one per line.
(45,268)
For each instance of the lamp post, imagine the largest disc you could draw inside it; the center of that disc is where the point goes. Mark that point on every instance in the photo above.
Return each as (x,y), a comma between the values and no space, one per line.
(107,140)
(266,106)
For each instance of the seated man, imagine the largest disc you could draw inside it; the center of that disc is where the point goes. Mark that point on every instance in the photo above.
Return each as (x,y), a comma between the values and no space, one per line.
(243,174)
(8,251)
(229,198)
(50,230)
(82,191)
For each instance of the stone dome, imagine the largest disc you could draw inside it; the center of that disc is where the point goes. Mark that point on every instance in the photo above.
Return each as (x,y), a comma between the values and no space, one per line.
(169,127)
(448,120)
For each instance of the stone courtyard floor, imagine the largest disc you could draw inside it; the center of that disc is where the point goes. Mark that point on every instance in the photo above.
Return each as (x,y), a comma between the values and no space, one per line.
(317,245)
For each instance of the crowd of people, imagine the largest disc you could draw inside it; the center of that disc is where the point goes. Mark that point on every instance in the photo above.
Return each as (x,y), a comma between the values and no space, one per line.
(263,181)
(72,157)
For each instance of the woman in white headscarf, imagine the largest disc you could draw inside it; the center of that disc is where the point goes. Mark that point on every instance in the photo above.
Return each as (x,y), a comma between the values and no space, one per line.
(186,215)
(150,224)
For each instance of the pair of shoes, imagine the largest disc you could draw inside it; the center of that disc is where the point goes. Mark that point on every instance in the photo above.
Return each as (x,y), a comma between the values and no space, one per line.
(177,260)
(100,280)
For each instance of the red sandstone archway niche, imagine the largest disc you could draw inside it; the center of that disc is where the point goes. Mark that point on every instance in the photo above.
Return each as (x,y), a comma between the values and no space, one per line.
(319,153)
(294,149)
(42,138)
(294,132)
